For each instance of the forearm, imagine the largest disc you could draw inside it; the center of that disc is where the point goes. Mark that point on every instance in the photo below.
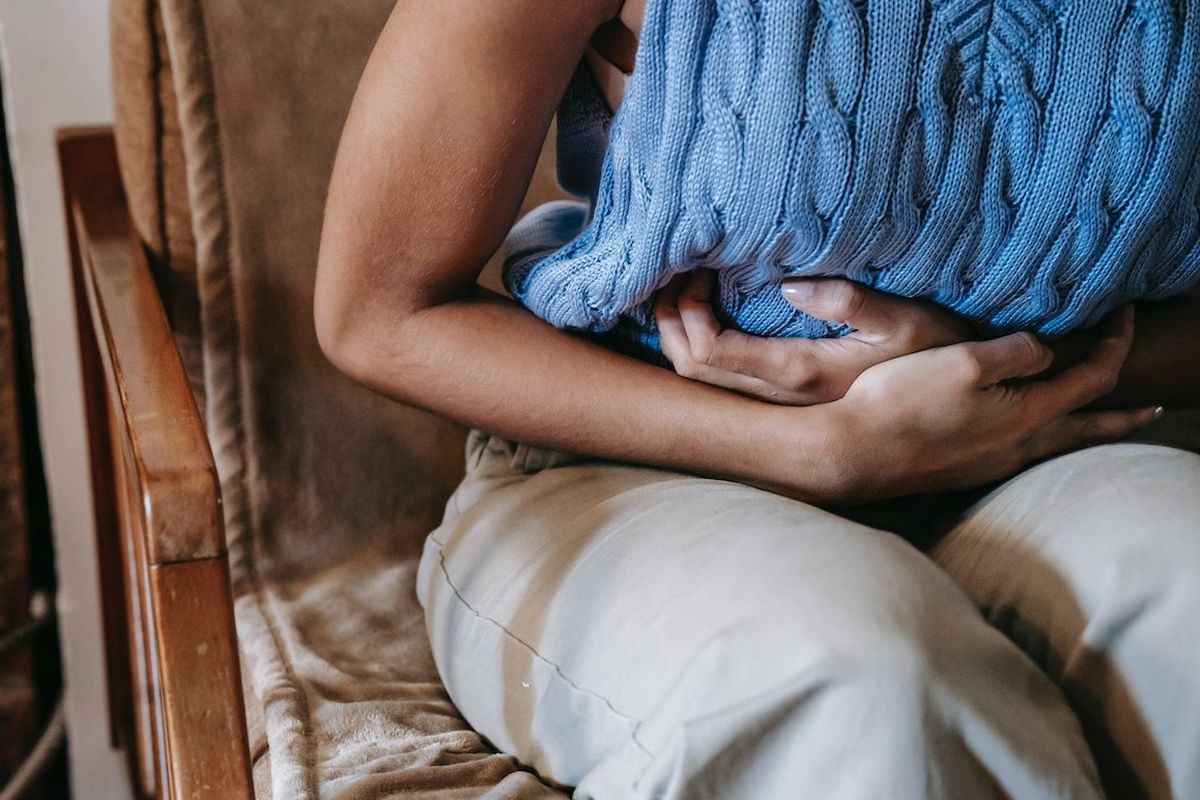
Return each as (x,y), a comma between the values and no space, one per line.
(436,155)
(488,363)
(1163,367)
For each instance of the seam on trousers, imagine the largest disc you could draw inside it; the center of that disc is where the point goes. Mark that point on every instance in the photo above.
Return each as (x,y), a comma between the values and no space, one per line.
(637,723)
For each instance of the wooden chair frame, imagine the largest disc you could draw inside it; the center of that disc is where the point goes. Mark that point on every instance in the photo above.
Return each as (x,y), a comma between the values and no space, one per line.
(175,695)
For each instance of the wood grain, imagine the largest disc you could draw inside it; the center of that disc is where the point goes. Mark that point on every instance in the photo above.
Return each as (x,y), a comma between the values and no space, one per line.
(175,682)
(158,417)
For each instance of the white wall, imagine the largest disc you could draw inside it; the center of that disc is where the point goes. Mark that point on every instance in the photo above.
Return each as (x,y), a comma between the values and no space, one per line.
(54,62)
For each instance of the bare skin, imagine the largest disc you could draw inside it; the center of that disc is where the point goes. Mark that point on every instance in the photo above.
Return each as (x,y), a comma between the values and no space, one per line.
(435,158)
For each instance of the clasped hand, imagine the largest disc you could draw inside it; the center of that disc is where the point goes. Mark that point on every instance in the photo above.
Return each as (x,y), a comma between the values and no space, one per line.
(919,402)
(797,371)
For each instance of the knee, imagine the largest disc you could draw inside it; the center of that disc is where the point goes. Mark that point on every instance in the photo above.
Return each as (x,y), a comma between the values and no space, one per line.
(894,692)
(880,655)
(883,689)
(1112,499)
(903,636)
(1103,527)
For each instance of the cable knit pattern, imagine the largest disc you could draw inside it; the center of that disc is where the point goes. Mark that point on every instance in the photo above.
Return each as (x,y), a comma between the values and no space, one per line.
(1029,164)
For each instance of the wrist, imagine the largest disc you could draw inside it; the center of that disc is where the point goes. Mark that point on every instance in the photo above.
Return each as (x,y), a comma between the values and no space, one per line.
(812,453)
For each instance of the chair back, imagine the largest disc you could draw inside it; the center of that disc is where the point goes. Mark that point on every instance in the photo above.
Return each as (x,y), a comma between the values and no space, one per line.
(227,119)
(228,114)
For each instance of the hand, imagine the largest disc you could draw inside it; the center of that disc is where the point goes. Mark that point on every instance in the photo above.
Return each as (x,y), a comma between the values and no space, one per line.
(968,413)
(797,371)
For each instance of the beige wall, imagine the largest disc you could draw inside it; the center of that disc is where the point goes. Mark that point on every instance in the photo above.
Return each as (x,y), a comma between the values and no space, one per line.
(55,70)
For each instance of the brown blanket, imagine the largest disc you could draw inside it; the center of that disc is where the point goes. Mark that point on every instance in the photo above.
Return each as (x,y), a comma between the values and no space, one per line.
(328,489)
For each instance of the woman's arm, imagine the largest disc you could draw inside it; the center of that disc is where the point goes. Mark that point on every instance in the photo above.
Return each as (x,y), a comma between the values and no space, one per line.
(1163,367)
(436,155)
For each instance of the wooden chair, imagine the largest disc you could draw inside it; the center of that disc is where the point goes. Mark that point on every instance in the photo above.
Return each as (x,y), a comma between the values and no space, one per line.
(168,612)
(232,468)
(220,496)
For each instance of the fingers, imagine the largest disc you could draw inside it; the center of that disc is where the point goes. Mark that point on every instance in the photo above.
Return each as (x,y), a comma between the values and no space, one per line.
(793,370)
(725,349)
(675,338)
(672,337)
(699,321)
(1018,355)
(844,301)
(874,313)
(1095,376)
(1022,355)
(1086,428)
(678,348)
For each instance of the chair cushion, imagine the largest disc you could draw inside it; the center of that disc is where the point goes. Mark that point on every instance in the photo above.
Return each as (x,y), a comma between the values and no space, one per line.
(328,490)
(152,165)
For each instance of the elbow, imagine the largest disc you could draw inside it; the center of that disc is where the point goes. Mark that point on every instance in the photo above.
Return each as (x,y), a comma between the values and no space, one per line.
(344,325)
(336,337)
(332,338)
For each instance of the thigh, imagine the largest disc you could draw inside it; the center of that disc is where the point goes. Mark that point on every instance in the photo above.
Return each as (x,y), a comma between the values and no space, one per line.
(582,614)
(1090,563)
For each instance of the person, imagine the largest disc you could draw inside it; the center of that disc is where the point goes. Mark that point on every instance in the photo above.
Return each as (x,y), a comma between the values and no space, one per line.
(690,583)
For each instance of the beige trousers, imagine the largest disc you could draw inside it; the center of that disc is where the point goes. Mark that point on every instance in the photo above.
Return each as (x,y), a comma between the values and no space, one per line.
(640,633)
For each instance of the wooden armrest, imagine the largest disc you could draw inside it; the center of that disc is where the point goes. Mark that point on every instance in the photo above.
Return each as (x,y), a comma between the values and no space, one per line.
(174,680)
(154,408)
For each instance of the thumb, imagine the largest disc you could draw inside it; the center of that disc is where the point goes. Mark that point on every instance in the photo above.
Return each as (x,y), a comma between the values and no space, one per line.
(1018,355)
(842,300)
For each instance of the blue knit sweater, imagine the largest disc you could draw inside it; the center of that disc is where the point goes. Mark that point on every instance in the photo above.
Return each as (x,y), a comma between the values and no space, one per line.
(1028,164)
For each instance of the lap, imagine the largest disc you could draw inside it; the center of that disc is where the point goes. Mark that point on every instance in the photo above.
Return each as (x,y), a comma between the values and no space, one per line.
(579,608)
(612,550)
(572,605)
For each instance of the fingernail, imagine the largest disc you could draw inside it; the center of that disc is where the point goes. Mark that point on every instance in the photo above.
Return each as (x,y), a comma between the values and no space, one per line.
(798,290)
(1159,411)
